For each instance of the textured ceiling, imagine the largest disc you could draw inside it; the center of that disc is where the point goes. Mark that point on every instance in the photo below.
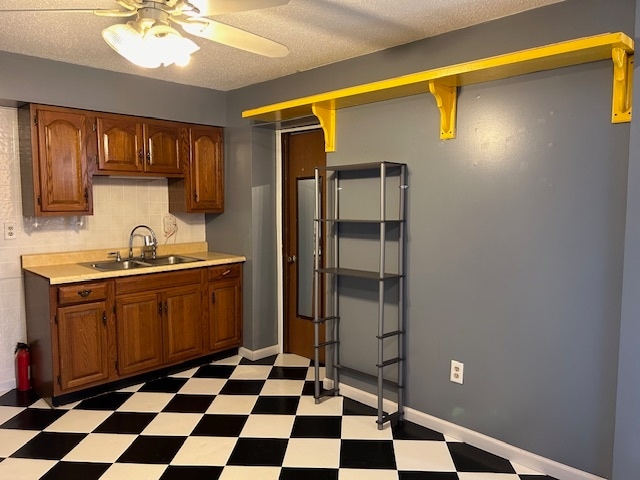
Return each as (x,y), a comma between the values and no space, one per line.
(317,32)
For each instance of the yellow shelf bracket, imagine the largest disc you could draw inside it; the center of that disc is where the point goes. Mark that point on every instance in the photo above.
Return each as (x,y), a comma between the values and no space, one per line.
(622,85)
(446,99)
(327,118)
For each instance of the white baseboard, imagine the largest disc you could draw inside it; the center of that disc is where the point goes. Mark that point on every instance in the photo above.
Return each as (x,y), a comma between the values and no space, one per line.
(254,355)
(6,385)
(489,444)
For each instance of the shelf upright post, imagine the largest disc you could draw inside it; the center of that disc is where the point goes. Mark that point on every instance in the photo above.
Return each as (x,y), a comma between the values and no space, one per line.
(401,286)
(316,288)
(381,270)
(335,282)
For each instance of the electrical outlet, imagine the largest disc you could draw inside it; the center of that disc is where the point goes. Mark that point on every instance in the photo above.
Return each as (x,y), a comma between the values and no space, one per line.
(457,372)
(10,230)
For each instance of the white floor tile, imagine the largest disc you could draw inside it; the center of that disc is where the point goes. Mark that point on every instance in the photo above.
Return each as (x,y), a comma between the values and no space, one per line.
(24,468)
(487,476)
(312,453)
(291,360)
(168,423)
(246,473)
(146,402)
(365,474)
(80,421)
(423,455)
(268,426)
(251,372)
(11,440)
(233,360)
(42,405)
(132,388)
(214,451)
(233,404)
(186,374)
(365,428)
(311,373)
(282,387)
(7,413)
(327,406)
(121,471)
(203,386)
(100,447)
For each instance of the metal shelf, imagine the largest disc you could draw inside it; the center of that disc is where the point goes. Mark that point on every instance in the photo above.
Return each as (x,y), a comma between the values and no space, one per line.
(351,272)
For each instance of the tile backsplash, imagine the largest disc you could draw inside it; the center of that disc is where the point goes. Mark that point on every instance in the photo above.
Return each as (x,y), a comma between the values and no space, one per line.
(119,204)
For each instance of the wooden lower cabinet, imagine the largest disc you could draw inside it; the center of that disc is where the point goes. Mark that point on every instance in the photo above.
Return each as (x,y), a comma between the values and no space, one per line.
(225,306)
(182,323)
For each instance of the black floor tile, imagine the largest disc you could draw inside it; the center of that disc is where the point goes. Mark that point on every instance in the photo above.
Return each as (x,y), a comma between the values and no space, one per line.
(367,454)
(152,449)
(309,388)
(242,387)
(189,403)
(33,419)
(471,459)
(191,473)
(410,431)
(308,474)
(317,427)
(427,476)
(215,371)
(351,407)
(258,452)
(49,445)
(15,398)
(263,361)
(125,422)
(164,385)
(288,373)
(220,425)
(76,470)
(276,405)
(108,401)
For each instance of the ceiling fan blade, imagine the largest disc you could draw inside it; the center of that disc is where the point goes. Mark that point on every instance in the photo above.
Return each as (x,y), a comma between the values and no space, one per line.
(99,12)
(233,37)
(218,7)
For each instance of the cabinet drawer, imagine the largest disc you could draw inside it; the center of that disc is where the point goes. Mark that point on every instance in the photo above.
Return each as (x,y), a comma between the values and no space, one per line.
(224,271)
(87,292)
(157,281)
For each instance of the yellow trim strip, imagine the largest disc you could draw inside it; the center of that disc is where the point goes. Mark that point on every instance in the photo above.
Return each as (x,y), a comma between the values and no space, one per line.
(616,46)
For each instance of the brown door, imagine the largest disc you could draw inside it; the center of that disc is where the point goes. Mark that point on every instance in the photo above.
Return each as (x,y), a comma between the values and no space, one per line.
(182,323)
(302,152)
(164,147)
(206,170)
(120,144)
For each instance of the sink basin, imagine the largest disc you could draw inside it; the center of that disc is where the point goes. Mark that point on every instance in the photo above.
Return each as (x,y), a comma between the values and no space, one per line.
(112,265)
(170,260)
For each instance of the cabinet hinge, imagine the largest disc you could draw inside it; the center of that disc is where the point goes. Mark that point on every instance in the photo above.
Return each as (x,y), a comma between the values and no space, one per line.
(59,381)
(104,318)
(39,200)
(35,120)
(95,127)
(55,319)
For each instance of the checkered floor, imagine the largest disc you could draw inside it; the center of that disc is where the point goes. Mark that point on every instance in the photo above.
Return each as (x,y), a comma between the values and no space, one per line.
(232,419)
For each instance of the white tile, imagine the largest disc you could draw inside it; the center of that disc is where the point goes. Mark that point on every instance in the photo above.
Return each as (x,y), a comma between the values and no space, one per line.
(203,386)
(522,470)
(233,360)
(205,451)
(43,405)
(423,455)
(327,406)
(233,404)
(251,372)
(169,423)
(311,374)
(268,426)
(487,476)
(245,473)
(7,413)
(120,471)
(132,388)
(364,428)
(312,453)
(291,360)
(186,374)
(11,440)
(146,402)
(282,387)
(80,421)
(360,474)
(100,447)
(24,468)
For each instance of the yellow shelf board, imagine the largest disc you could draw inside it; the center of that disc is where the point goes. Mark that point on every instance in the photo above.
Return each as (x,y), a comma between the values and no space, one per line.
(557,55)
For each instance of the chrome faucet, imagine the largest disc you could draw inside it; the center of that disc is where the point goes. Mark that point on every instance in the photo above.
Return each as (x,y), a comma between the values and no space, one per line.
(148,241)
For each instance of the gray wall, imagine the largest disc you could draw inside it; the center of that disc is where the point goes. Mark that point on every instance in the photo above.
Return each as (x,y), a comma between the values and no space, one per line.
(516,229)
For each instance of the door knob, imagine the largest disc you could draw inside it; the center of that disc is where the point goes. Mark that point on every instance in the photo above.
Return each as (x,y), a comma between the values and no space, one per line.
(292,259)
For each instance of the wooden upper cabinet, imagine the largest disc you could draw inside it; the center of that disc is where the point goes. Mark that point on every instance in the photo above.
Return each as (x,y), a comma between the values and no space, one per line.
(202,189)
(120,144)
(164,144)
(56,181)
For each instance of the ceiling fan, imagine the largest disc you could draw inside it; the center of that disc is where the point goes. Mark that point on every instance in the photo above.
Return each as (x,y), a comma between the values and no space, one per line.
(150,40)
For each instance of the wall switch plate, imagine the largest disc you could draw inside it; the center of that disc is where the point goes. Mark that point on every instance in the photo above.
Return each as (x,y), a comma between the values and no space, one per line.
(457,372)
(10,230)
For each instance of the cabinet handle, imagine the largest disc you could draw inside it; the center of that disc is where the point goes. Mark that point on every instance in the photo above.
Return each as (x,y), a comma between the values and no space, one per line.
(159,308)
(104,318)
(150,153)
(226,272)
(86,195)
(84,293)
(213,297)
(140,154)
(195,196)
(166,307)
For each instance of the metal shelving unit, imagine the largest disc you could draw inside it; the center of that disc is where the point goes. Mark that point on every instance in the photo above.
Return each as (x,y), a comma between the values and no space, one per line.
(326,302)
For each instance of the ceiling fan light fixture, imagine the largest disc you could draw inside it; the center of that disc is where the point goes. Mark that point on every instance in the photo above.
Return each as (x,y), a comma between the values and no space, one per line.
(128,42)
(168,46)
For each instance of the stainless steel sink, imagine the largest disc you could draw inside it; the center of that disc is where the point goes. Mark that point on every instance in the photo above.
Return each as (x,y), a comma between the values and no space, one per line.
(170,260)
(113,265)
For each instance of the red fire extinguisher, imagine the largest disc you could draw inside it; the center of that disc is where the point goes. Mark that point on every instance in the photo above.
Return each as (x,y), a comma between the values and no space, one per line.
(23,364)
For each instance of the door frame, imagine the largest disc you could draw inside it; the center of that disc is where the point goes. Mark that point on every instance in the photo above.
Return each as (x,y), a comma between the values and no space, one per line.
(280,226)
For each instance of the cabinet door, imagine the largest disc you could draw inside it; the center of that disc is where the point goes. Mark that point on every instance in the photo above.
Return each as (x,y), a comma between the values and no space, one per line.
(120,144)
(164,146)
(182,323)
(64,182)
(82,344)
(225,315)
(206,170)
(139,332)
